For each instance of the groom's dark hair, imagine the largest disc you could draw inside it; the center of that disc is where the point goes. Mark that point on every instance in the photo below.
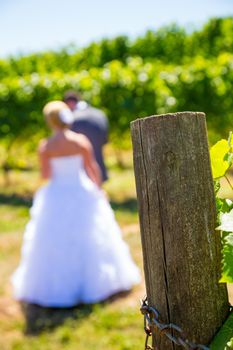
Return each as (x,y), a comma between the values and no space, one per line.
(71,95)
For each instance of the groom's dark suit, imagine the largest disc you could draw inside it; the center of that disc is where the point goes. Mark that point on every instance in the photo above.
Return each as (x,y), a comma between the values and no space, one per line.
(92,123)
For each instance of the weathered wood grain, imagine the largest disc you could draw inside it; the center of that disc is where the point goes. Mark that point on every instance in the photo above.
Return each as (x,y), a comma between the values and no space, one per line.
(181,248)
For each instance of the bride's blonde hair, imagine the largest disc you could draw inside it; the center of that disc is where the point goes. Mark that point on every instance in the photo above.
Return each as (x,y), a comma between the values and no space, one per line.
(52,112)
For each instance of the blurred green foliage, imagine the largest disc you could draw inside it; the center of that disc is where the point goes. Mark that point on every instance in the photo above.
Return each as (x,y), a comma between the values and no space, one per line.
(163,71)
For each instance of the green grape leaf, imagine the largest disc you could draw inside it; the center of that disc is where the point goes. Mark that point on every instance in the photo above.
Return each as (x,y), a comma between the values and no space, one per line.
(222,206)
(217,186)
(230,158)
(229,344)
(230,139)
(224,337)
(227,259)
(218,154)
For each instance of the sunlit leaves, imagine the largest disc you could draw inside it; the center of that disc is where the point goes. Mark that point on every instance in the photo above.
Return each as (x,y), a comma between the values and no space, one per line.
(226,225)
(221,160)
(226,220)
(223,206)
(218,154)
(227,255)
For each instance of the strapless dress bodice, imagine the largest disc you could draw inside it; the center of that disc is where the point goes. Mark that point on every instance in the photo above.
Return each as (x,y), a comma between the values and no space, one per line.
(67,168)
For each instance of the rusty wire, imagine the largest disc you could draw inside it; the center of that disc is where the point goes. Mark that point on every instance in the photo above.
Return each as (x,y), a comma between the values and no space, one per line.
(152,321)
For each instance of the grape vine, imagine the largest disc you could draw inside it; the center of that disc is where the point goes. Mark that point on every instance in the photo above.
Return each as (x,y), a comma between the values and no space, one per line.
(221,155)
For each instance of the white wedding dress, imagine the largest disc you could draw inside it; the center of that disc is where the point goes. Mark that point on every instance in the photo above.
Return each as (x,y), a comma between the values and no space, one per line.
(72,249)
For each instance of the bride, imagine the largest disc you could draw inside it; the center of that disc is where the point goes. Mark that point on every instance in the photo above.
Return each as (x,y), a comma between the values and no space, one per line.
(72,248)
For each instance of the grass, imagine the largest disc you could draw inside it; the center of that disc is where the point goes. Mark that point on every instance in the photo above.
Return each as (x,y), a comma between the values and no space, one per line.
(101,328)
(116,324)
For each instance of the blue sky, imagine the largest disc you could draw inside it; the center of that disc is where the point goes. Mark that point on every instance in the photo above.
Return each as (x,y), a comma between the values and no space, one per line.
(36,25)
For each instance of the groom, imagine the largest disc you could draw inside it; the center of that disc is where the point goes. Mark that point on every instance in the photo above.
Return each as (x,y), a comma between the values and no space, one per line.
(91,122)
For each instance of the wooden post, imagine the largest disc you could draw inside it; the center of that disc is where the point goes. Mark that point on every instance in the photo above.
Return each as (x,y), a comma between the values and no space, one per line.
(181,248)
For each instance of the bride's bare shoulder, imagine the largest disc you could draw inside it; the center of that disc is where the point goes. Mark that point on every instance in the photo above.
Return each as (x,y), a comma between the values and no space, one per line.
(80,139)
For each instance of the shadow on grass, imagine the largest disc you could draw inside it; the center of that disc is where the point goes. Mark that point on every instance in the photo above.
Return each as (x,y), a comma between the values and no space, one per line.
(39,319)
(130,204)
(15,200)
